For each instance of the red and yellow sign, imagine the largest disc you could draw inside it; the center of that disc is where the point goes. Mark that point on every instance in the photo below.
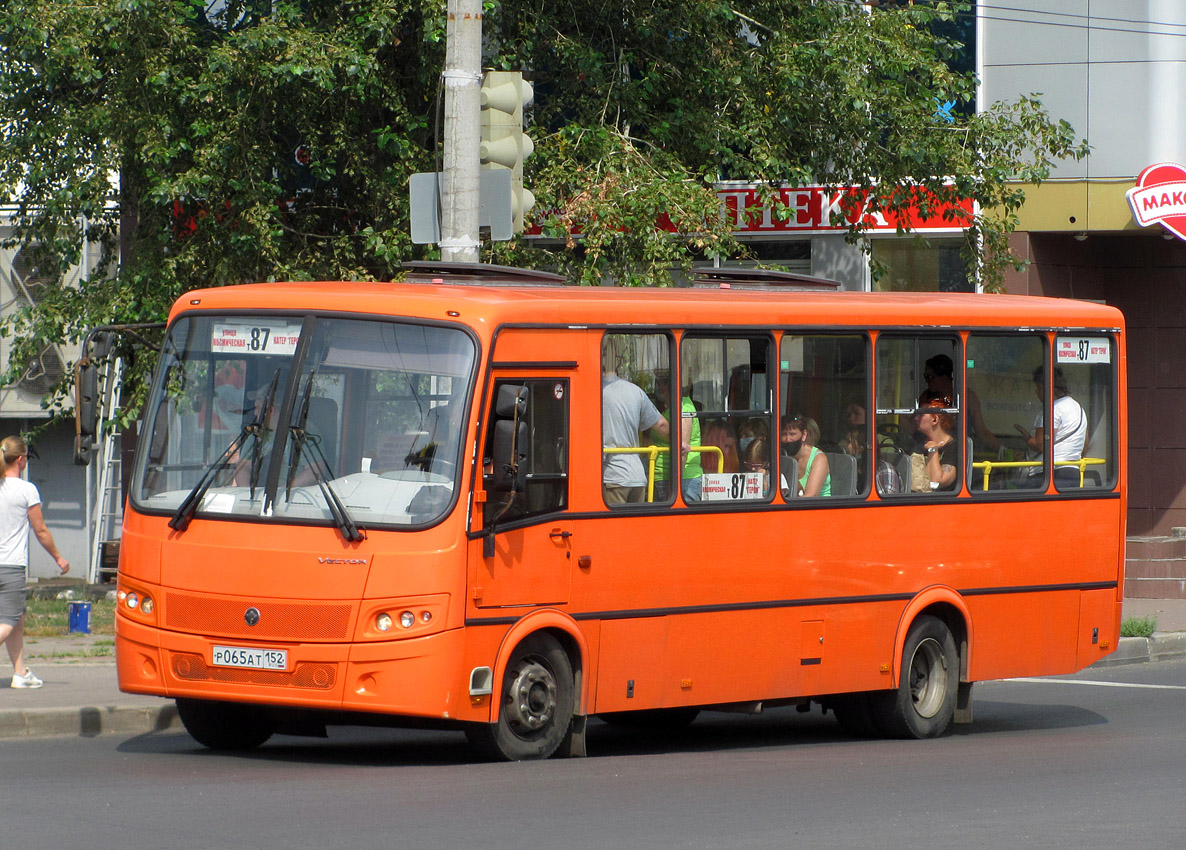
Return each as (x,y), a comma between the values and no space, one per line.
(1160,198)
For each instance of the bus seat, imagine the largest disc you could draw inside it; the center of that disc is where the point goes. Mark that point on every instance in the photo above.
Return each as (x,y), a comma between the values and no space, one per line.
(970,474)
(843,469)
(1091,478)
(788,470)
(901,462)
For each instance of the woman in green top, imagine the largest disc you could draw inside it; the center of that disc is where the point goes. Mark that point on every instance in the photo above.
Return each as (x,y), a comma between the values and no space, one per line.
(799,436)
(690,485)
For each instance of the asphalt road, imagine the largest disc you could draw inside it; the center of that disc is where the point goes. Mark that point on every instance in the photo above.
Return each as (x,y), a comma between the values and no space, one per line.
(1097,760)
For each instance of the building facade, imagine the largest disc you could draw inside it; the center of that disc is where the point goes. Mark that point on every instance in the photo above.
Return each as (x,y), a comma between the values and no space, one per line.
(1116,71)
(51,456)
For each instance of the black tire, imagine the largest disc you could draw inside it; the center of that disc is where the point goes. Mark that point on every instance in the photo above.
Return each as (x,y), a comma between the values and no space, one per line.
(225,725)
(923,704)
(652,719)
(536,704)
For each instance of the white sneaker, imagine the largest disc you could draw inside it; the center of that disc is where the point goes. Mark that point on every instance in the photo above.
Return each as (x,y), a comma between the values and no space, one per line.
(29,680)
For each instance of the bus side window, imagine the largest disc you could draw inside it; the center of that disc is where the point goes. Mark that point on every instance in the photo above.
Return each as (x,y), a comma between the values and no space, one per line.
(1083,412)
(637,424)
(919,412)
(824,392)
(731,389)
(544,453)
(1001,397)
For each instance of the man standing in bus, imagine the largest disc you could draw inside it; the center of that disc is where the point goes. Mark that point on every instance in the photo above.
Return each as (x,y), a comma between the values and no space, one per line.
(625,412)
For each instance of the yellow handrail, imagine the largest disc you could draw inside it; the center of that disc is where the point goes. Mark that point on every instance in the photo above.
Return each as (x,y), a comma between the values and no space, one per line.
(989,465)
(654,451)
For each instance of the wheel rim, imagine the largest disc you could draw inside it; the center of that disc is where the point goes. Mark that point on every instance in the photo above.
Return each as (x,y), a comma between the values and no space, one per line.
(928,678)
(531,704)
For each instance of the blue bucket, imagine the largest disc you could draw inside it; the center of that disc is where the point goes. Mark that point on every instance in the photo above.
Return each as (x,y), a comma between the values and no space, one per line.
(80,618)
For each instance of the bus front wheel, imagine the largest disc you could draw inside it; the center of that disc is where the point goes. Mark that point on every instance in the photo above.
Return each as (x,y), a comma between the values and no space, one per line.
(923,704)
(225,725)
(536,703)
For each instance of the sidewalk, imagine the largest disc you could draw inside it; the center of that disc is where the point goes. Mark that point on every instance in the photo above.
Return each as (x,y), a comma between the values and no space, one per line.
(81,697)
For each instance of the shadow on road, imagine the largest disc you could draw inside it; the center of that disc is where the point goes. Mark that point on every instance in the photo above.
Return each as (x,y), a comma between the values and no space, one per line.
(712,732)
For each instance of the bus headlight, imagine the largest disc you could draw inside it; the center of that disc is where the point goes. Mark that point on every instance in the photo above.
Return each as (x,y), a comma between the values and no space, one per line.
(131,600)
(407,619)
(147,605)
(383,622)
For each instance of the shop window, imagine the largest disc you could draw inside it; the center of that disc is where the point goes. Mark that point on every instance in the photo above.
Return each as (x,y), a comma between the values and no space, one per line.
(907,265)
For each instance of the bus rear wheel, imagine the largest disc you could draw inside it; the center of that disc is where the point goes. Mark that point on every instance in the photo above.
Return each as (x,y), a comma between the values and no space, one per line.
(536,704)
(923,704)
(225,725)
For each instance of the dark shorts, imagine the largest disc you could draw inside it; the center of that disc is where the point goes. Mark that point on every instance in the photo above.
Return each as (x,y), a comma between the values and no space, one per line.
(12,593)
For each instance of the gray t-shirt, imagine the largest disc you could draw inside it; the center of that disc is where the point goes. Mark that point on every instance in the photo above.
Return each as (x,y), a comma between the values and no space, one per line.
(625,410)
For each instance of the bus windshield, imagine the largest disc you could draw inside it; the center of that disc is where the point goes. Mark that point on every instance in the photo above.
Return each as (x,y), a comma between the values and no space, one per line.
(302,418)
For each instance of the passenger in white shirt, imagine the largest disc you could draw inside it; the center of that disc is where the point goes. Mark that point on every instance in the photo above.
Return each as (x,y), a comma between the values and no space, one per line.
(1068,431)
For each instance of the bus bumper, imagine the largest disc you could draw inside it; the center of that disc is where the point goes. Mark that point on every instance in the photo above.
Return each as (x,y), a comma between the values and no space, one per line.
(405,678)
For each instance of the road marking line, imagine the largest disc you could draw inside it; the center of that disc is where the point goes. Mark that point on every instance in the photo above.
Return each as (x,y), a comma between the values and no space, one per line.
(1101,684)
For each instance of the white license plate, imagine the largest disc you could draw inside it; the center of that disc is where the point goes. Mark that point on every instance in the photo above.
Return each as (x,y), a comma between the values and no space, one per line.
(257,659)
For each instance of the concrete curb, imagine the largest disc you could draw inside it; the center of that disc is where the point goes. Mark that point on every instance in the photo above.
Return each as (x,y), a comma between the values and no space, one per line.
(87,721)
(1163,646)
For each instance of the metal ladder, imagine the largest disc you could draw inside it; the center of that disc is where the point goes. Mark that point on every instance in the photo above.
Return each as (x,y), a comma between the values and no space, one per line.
(104,492)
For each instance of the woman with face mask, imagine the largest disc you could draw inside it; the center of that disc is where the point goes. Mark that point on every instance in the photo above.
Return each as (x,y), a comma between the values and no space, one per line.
(798,437)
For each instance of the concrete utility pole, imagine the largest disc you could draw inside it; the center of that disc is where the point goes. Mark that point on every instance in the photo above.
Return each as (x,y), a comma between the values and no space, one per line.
(460,179)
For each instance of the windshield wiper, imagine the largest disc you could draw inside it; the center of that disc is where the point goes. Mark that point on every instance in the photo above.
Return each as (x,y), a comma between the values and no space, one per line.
(337,508)
(299,434)
(189,505)
(257,453)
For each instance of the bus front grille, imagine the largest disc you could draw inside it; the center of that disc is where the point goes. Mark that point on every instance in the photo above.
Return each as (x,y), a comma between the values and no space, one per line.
(193,668)
(277,620)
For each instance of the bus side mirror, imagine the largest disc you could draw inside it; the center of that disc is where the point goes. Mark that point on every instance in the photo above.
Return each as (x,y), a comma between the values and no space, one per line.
(510,471)
(86,409)
(86,400)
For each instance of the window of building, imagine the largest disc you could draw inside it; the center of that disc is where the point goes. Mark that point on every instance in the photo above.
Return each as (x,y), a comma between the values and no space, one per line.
(908,265)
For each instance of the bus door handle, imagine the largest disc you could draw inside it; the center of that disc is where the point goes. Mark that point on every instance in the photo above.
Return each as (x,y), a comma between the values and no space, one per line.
(559,534)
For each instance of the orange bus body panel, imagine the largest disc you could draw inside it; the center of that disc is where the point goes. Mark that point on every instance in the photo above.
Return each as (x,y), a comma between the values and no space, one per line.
(652,607)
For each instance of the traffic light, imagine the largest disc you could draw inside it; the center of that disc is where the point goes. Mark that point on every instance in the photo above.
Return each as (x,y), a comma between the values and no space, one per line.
(504,144)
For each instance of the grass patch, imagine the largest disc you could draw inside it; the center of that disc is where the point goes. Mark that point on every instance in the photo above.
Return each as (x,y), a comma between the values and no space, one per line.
(1138,627)
(51,617)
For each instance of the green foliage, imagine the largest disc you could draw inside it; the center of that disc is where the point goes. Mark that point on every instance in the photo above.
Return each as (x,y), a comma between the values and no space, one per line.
(175,138)
(1138,626)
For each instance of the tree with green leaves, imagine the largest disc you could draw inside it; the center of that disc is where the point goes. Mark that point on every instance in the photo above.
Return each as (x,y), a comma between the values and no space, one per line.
(209,142)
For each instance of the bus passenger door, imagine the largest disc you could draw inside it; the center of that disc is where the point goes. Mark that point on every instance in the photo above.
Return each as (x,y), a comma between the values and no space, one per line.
(524,554)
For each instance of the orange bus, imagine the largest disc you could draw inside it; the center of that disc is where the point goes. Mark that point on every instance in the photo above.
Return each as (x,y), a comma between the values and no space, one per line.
(464,501)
